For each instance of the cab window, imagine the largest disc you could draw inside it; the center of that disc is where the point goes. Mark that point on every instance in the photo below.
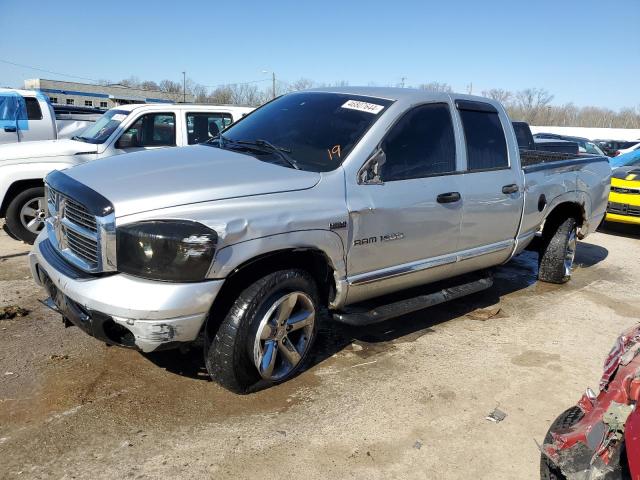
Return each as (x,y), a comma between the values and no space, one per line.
(421,144)
(202,126)
(486,143)
(150,130)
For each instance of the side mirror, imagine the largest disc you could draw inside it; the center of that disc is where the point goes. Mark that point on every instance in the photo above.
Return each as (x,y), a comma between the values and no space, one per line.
(370,172)
(127,140)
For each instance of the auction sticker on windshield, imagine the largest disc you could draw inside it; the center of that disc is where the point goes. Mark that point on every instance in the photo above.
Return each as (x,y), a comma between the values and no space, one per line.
(363,106)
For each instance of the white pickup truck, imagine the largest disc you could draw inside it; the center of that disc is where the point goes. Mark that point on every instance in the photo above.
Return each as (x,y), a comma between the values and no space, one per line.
(123,129)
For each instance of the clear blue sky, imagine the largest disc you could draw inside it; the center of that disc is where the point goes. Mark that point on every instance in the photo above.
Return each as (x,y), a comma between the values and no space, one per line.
(586,52)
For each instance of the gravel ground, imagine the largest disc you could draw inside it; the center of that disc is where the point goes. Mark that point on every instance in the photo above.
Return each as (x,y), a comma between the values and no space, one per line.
(405,399)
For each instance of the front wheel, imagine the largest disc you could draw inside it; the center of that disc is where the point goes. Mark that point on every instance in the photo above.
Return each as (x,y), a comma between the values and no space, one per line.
(26,213)
(558,252)
(266,334)
(566,420)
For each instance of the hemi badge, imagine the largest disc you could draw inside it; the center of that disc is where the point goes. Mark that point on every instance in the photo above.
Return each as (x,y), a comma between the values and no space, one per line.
(337,225)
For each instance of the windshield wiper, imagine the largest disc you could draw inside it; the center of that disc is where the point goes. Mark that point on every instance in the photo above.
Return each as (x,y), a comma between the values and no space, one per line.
(282,152)
(79,139)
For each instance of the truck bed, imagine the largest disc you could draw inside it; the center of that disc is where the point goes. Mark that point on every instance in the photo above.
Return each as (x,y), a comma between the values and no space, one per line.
(532,160)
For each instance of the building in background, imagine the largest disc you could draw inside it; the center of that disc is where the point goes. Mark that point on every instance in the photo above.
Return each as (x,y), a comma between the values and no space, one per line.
(99,96)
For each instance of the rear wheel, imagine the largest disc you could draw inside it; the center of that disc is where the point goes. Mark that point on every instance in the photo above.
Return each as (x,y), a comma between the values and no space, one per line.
(558,252)
(26,214)
(266,334)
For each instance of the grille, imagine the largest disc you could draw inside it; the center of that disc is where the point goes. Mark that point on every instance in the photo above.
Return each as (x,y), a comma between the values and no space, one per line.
(77,214)
(628,191)
(75,230)
(623,209)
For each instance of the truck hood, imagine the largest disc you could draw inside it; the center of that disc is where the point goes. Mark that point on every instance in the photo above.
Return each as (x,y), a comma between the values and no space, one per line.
(44,148)
(151,180)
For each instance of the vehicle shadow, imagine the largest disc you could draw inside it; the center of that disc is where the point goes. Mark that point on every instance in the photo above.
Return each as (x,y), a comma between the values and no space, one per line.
(333,337)
(620,230)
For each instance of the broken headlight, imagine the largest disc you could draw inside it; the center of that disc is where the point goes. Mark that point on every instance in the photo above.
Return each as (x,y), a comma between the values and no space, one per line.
(169,250)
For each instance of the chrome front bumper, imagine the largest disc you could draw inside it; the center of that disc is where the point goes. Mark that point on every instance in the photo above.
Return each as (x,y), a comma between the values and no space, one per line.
(155,313)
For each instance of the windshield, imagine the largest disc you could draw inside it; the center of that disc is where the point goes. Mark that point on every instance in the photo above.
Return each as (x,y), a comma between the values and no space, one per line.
(103,127)
(593,148)
(312,131)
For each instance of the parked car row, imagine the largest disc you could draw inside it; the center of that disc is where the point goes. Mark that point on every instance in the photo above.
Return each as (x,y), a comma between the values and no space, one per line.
(613,148)
(319,202)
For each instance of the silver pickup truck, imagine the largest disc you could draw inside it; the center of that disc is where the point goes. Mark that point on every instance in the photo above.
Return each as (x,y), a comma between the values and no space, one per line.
(320,202)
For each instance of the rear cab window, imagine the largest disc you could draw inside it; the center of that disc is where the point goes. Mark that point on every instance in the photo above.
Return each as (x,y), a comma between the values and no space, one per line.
(33,108)
(484,136)
(203,126)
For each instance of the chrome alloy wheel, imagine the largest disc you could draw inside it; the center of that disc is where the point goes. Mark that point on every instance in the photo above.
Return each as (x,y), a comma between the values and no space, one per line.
(33,214)
(570,253)
(284,335)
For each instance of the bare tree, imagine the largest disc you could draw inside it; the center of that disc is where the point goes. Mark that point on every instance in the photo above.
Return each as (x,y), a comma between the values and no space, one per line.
(300,84)
(149,85)
(436,87)
(499,94)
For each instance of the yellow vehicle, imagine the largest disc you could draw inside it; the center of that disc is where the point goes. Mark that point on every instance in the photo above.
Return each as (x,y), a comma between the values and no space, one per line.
(624,199)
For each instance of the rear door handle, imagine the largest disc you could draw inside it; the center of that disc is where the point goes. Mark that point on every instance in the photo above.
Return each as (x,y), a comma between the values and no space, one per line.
(508,189)
(449,197)
(10,129)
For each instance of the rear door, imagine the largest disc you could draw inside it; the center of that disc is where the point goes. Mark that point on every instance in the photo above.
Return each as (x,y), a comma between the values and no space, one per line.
(203,126)
(493,184)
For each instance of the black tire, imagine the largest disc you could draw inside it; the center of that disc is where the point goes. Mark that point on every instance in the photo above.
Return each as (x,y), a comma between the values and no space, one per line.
(556,243)
(568,418)
(12,216)
(229,351)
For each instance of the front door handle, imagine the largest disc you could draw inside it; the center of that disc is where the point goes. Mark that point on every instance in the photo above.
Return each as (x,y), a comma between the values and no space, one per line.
(508,189)
(449,197)
(10,129)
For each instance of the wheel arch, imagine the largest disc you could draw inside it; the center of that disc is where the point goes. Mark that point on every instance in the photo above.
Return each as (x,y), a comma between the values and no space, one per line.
(561,212)
(313,260)
(14,190)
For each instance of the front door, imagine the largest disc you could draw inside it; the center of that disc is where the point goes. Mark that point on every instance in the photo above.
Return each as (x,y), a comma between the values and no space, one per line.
(149,131)
(11,110)
(408,220)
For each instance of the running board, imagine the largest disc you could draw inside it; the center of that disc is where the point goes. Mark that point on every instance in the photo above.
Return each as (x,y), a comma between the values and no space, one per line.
(402,307)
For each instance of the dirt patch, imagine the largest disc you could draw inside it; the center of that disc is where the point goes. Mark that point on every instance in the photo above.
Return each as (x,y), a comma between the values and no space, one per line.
(622,308)
(12,311)
(535,358)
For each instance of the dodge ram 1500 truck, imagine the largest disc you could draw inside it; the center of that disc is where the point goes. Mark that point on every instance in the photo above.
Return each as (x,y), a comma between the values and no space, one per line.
(127,128)
(319,202)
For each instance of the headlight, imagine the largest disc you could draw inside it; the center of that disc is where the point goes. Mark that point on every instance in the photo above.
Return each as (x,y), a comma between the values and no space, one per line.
(171,250)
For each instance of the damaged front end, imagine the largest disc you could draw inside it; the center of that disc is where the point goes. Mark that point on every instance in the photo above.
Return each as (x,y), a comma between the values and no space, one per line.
(601,440)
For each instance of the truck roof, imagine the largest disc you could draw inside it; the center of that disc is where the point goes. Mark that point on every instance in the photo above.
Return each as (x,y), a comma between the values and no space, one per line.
(403,94)
(24,93)
(180,106)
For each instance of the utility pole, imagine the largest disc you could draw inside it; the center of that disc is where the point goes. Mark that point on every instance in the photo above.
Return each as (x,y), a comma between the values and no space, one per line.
(273,84)
(184,87)
(402,79)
